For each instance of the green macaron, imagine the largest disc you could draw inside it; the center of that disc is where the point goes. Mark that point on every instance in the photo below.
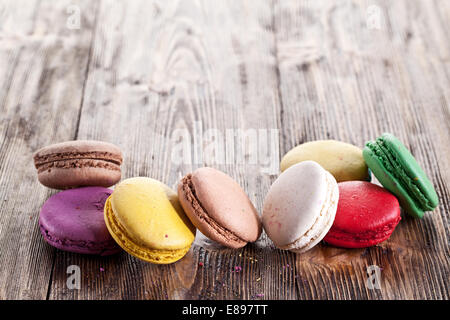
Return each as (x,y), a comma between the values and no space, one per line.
(399,172)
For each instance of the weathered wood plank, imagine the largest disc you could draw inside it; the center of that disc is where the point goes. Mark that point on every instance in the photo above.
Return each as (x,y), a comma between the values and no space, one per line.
(42,70)
(342,79)
(159,67)
(142,73)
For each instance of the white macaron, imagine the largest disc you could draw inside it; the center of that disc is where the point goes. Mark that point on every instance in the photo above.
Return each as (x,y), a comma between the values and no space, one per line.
(300,207)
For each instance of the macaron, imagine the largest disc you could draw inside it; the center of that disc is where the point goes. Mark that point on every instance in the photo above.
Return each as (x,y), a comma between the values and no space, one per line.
(146,219)
(343,160)
(72,220)
(397,170)
(300,207)
(78,163)
(367,214)
(219,207)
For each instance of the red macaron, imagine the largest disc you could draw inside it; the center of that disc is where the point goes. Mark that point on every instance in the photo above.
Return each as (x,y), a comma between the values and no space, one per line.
(367,214)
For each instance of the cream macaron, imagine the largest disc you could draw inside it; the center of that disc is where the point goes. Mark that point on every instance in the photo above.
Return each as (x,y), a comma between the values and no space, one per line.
(300,207)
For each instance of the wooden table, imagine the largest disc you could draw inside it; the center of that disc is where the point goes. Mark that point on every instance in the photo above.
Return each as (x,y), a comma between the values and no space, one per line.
(143,74)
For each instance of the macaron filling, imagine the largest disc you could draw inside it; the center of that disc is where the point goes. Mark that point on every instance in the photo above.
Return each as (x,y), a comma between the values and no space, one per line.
(191,196)
(391,164)
(67,160)
(126,242)
(63,156)
(322,223)
(78,163)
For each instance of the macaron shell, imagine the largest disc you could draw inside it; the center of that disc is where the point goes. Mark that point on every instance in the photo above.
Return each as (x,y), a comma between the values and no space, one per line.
(201,220)
(389,181)
(151,215)
(226,203)
(72,220)
(80,173)
(294,203)
(367,214)
(157,256)
(77,147)
(343,160)
(411,167)
(323,223)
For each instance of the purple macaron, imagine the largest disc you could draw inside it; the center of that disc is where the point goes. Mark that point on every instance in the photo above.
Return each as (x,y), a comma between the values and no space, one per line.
(72,220)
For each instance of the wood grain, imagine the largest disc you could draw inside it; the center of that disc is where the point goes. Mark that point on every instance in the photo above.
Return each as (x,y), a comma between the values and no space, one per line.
(42,72)
(340,80)
(180,77)
(147,74)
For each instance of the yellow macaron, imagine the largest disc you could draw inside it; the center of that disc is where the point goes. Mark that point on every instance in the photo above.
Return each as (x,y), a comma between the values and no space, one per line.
(146,219)
(343,160)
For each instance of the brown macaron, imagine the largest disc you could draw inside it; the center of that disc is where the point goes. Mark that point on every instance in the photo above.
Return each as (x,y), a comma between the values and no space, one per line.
(78,163)
(219,208)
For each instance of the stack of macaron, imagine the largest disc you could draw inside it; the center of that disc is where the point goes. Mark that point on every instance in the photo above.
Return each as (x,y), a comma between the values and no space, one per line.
(323,193)
(72,219)
(142,216)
